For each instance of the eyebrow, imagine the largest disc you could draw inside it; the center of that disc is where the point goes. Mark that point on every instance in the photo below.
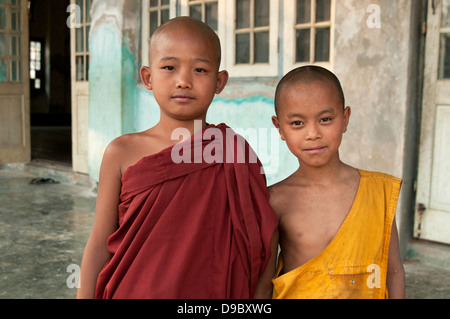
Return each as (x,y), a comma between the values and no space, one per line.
(291,115)
(171,58)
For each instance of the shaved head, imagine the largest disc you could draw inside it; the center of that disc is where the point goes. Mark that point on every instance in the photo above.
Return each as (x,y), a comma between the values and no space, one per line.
(307,75)
(200,29)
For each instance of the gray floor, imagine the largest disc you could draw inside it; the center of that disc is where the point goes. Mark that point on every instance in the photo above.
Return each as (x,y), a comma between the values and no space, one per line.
(44,227)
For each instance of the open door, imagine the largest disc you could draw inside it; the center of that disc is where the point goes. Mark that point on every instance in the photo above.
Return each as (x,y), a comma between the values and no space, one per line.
(80,57)
(14,82)
(432,220)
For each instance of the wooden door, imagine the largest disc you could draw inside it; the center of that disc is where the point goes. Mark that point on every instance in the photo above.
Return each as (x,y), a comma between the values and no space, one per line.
(432,220)
(80,57)
(14,82)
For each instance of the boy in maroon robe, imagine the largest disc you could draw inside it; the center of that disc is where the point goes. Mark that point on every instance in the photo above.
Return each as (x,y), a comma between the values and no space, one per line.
(166,228)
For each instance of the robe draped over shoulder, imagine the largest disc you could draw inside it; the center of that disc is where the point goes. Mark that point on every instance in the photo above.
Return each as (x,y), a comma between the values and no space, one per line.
(196,229)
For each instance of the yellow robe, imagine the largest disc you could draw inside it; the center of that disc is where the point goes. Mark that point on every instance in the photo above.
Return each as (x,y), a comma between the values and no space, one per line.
(354,264)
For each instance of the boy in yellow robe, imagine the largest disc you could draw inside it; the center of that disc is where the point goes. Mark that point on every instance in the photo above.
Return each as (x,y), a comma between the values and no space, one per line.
(338,235)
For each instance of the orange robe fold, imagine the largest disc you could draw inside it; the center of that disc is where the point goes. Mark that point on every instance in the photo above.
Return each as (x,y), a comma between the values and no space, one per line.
(197,229)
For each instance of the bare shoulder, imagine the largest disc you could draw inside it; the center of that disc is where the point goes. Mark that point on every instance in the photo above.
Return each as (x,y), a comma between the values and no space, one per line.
(282,193)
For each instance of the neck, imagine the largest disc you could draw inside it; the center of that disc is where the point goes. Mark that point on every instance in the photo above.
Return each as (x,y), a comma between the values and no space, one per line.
(167,128)
(327,174)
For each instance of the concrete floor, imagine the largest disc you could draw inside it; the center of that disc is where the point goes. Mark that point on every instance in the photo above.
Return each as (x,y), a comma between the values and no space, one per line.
(44,228)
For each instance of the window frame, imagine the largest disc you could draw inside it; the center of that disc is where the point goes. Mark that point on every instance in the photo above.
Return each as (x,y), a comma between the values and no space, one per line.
(269,69)
(289,36)
(146,26)
(221,18)
(14,62)
(279,64)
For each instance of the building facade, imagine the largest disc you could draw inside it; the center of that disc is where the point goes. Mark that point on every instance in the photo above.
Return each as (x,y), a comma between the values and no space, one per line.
(392,58)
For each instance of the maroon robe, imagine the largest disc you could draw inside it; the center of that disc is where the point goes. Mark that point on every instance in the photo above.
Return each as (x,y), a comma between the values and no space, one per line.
(190,230)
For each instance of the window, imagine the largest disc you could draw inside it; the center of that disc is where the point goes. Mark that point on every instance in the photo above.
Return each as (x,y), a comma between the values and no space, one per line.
(444,47)
(82,56)
(36,65)
(154,13)
(10,41)
(252,38)
(308,33)
(248,31)
(204,10)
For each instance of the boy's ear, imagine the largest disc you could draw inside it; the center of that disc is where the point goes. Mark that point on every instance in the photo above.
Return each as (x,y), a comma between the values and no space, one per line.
(347,113)
(146,77)
(277,125)
(222,79)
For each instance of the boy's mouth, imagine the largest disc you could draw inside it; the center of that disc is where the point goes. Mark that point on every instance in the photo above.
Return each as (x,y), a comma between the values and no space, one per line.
(314,150)
(182,98)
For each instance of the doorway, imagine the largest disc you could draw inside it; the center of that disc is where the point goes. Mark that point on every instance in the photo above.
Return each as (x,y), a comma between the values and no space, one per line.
(50,82)
(432,219)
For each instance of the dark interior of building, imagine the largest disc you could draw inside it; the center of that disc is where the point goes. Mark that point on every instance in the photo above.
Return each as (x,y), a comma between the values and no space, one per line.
(50,81)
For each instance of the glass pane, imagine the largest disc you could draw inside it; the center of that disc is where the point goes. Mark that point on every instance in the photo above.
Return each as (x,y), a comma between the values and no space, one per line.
(302,46)
(2,1)
(87,58)
(79,40)
(80,3)
(322,45)
(3,45)
(445,18)
(195,11)
(211,11)
(18,67)
(153,21)
(15,45)
(153,3)
(3,71)
(14,48)
(14,73)
(262,13)
(88,30)
(2,18)
(80,67)
(15,20)
(242,48)
(165,2)
(323,10)
(242,14)
(165,16)
(262,47)
(303,11)
(88,10)
(444,57)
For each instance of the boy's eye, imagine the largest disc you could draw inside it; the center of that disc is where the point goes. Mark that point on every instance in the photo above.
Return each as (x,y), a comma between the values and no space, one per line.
(296,123)
(168,68)
(200,70)
(325,119)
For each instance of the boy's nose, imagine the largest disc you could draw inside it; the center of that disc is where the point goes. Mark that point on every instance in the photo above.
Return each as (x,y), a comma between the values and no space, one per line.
(313,132)
(184,81)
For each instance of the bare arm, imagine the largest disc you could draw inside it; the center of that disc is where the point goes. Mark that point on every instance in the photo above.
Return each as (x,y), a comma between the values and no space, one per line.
(264,287)
(395,273)
(96,254)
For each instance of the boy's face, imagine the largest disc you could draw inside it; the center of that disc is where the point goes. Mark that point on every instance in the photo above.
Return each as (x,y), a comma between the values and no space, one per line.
(311,121)
(183,73)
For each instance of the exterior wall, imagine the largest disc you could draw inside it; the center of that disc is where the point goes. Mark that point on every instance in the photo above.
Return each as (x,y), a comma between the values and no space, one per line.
(374,64)
(379,71)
